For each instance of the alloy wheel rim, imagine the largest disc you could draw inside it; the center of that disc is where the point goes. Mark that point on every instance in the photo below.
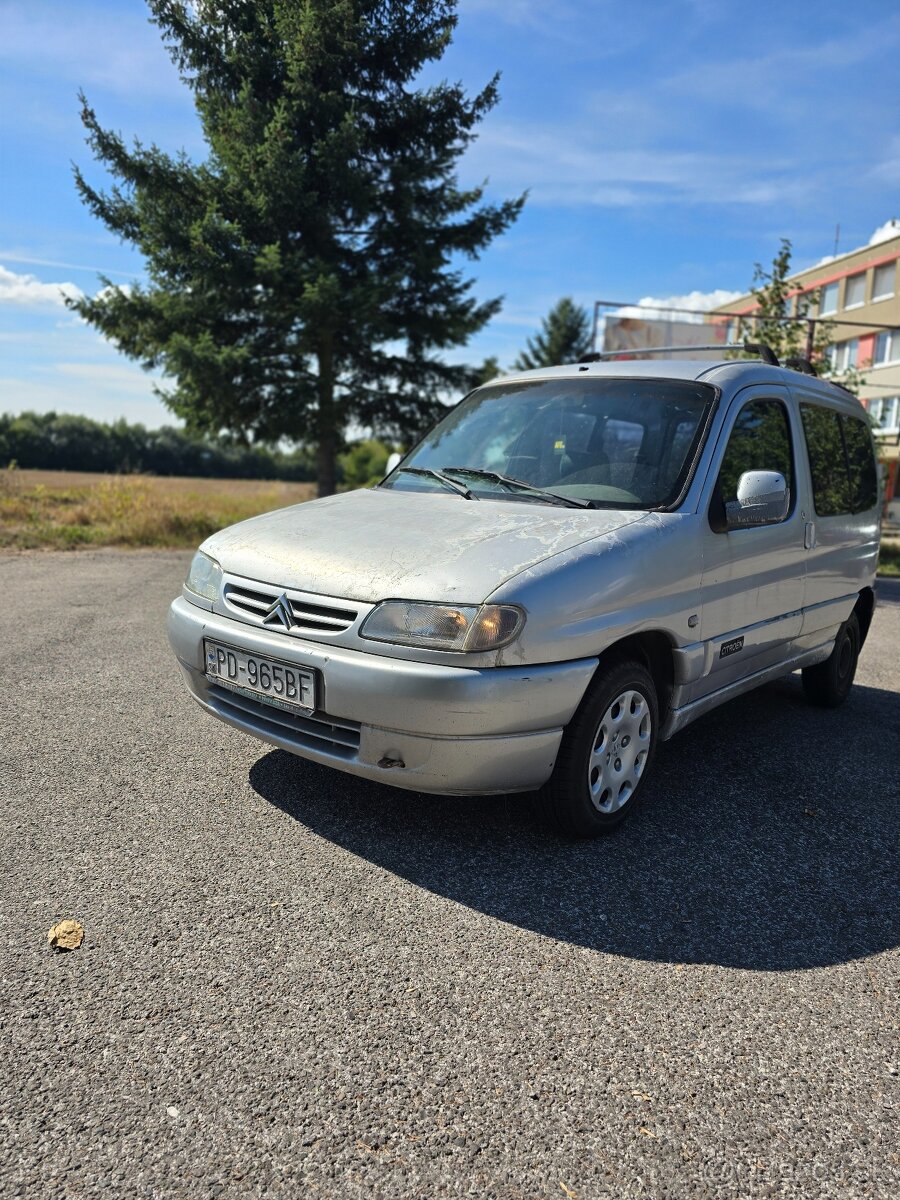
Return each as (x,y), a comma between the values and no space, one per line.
(619,752)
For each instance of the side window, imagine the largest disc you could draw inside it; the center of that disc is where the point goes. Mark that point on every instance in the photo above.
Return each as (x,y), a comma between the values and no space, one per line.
(827,463)
(841,461)
(760,440)
(861,464)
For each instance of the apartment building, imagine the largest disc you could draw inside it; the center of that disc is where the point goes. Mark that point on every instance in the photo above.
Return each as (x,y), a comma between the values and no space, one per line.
(859,294)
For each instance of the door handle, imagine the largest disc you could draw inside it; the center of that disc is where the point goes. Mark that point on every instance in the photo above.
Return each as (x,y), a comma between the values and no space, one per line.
(809,535)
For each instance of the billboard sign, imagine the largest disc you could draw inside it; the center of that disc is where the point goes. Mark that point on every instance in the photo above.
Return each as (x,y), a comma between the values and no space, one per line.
(642,333)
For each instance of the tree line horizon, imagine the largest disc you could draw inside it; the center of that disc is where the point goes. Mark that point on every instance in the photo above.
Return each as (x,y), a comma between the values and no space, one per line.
(62,441)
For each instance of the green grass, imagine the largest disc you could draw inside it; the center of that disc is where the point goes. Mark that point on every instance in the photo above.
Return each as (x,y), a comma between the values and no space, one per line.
(65,510)
(889,559)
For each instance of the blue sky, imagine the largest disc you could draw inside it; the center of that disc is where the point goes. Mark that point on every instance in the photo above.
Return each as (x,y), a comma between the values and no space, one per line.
(667,146)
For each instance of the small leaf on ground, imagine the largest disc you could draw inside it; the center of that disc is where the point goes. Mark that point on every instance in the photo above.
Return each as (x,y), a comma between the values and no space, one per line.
(66,935)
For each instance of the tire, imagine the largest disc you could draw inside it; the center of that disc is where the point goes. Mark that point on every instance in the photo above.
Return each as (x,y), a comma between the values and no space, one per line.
(587,794)
(829,683)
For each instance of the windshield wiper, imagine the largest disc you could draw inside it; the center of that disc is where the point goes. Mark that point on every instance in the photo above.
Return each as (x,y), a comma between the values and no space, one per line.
(521,485)
(453,484)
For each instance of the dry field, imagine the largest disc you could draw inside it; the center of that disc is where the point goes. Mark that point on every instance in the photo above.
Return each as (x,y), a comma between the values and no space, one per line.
(60,510)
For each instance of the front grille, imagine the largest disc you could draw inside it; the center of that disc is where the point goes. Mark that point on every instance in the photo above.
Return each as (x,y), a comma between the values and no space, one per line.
(317,732)
(304,614)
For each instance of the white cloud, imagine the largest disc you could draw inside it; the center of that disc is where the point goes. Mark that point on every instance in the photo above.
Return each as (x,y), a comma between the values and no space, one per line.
(884,233)
(97,396)
(88,48)
(29,292)
(555,21)
(125,378)
(767,81)
(93,379)
(695,302)
(888,169)
(17,257)
(567,165)
(580,31)
(117,289)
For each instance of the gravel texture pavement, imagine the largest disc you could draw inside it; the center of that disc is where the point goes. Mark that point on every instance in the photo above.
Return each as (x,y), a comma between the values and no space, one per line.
(297,984)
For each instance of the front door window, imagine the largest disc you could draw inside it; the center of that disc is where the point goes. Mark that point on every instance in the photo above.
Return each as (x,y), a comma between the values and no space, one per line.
(760,440)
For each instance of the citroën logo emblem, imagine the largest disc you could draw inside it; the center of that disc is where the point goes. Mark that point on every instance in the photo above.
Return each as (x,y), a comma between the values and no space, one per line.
(279,612)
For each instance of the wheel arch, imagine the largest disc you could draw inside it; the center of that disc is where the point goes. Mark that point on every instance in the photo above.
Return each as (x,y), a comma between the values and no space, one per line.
(654,649)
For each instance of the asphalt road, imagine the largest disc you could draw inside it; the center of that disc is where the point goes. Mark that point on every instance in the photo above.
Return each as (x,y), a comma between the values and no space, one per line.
(298,984)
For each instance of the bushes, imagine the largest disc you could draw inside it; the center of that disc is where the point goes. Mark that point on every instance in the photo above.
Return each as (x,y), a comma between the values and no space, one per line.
(363,464)
(61,442)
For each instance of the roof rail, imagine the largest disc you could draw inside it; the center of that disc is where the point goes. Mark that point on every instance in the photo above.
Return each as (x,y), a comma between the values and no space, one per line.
(766,353)
(759,349)
(803,365)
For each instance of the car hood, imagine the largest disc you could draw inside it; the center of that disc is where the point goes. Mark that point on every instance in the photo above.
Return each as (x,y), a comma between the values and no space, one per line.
(374,544)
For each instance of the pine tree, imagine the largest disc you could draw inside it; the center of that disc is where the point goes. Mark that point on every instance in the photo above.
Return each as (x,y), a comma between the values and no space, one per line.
(564,337)
(306,274)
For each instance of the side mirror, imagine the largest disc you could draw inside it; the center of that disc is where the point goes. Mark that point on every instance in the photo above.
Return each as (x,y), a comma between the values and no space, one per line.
(762,499)
(393,461)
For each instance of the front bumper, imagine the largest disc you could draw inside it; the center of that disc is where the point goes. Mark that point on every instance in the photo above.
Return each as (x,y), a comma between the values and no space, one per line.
(427,727)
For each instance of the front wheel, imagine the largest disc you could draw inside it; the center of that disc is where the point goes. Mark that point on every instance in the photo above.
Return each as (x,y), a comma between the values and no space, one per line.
(829,683)
(605,753)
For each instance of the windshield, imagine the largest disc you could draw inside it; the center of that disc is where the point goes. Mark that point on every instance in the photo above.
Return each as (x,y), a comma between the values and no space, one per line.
(615,443)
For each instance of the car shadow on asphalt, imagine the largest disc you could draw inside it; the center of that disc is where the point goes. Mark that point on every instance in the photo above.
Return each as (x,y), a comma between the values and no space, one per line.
(767,840)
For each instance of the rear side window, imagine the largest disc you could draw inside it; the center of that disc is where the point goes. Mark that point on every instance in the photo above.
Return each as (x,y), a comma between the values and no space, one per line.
(827,464)
(841,461)
(861,464)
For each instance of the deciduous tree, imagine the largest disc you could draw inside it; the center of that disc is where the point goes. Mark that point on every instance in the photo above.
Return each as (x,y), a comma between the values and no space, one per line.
(781,319)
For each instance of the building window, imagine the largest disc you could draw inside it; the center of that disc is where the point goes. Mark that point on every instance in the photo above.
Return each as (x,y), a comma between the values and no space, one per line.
(886,414)
(828,299)
(855,290)
(844,355)
(887,347)
(883,281)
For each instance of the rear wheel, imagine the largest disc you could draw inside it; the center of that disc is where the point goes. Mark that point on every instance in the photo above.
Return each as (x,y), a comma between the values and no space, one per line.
(829,683)
(605,753)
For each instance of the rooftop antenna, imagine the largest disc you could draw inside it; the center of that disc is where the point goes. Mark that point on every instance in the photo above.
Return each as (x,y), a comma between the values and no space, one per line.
(837,237)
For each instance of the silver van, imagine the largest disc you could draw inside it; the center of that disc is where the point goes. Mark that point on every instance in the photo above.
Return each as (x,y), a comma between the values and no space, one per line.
(572,565)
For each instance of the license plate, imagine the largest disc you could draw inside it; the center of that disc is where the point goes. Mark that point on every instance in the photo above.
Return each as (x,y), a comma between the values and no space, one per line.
(261,678)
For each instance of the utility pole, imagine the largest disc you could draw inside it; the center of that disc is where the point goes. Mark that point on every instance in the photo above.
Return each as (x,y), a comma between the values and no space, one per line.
(597,304)
(810,337)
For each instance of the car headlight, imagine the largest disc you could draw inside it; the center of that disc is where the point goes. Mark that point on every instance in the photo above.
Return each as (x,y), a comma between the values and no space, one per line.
(205,577)
(470,627)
